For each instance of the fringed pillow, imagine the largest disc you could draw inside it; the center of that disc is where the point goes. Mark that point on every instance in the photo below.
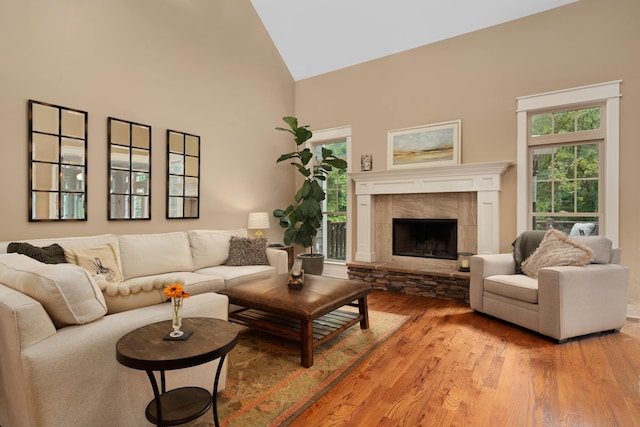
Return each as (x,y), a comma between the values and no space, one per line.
(556,249)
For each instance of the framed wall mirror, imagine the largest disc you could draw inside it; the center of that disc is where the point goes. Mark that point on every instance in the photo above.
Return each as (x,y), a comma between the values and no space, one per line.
(129,170)
(183,175)
(57,163)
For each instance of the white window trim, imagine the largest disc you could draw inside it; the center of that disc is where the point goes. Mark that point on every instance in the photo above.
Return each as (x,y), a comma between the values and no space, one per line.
(338,269)
(609,93)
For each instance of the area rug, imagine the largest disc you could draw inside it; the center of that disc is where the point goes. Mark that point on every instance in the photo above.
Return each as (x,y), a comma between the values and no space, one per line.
(266,386)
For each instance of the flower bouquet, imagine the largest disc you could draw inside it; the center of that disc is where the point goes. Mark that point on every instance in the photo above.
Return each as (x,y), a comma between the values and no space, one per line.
(177,294)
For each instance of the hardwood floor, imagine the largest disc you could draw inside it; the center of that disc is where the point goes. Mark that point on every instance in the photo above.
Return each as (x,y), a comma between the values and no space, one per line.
(450,366)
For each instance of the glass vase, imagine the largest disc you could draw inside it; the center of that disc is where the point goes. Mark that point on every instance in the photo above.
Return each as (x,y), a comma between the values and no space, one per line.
(176,319)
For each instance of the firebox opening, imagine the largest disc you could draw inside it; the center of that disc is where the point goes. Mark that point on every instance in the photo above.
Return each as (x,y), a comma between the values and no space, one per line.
(426,238)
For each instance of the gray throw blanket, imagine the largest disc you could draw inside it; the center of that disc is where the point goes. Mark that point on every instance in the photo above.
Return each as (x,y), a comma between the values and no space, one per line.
(525,245)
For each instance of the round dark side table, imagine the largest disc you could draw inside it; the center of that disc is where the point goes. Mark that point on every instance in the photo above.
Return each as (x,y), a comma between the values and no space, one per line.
(146,349)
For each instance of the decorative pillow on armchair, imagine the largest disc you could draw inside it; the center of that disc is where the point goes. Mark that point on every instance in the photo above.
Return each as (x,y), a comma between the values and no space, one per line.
(556,249)
(245,251)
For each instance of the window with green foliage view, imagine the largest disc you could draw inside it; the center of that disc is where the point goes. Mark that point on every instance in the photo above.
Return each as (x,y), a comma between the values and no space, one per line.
(331,238)
(565,159)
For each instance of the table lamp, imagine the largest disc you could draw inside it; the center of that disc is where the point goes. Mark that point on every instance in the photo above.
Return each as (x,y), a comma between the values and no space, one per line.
(258,221)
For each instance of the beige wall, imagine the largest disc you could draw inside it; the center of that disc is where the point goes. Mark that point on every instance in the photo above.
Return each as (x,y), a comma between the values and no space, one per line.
(199,66)
(477,77)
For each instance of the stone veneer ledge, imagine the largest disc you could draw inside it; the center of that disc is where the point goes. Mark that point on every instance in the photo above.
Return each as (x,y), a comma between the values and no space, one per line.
(430,282)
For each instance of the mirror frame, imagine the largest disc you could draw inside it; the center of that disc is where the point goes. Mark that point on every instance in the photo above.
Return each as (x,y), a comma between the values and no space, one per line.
(185,151)
(128,143)
(59,130)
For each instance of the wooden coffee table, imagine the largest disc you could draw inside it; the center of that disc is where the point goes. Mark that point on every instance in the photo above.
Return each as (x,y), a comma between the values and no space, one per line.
(309,315)
(144,348)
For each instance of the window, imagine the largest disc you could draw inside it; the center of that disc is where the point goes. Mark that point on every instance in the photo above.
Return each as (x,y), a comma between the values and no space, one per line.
(565,164)
(332,236)
(568,158)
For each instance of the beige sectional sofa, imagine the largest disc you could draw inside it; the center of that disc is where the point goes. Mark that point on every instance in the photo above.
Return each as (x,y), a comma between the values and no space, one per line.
(59,323)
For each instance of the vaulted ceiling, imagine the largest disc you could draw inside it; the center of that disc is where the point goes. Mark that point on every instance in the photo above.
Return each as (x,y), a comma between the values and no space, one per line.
(318,36)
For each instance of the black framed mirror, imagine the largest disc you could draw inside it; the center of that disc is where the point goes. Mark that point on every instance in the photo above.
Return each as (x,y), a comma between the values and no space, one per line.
(183,175)
(57,163)
(129,170)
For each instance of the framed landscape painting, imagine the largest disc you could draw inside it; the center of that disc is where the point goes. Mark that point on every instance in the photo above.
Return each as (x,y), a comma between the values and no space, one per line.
(437,144)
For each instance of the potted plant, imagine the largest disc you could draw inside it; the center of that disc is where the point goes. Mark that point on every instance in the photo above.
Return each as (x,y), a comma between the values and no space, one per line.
(302,219)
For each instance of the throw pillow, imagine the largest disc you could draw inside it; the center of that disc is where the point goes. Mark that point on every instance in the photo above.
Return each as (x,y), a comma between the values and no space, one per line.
(52,254)
(67,292)
(526,244)
(101,260)
(246,251)
(210,248)
(556,249)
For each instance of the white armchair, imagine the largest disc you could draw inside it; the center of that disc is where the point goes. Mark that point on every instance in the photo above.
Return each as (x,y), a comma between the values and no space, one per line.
(563,302)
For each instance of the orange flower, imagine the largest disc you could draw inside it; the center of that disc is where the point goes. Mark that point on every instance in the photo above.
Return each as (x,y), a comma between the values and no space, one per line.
(175,290)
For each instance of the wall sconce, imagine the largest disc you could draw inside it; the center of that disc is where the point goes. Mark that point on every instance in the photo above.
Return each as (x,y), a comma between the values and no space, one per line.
(463,261)
(258,221)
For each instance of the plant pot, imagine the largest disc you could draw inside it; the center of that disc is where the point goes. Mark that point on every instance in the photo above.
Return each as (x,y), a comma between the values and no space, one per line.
(312,263)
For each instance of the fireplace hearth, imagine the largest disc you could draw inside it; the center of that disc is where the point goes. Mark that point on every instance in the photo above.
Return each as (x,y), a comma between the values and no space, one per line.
(425,238)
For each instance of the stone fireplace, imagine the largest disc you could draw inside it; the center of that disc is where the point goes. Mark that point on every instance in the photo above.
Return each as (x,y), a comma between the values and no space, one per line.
(460,208)
(468,193)
(465,196)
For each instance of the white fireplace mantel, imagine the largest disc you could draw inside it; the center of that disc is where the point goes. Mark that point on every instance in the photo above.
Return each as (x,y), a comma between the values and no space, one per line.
(482,178)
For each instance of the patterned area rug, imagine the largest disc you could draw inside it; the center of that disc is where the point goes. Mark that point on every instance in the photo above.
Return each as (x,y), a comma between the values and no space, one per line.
(266,386)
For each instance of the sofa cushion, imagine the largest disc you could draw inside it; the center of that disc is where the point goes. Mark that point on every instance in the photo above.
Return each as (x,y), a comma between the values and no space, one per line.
(66,291)
(556,249)
(246,251)
(600,245)
(52,254)
(150,254)
(148,290)
(102,261)
(524,245)
(234,275)
(211,247)
(516,286)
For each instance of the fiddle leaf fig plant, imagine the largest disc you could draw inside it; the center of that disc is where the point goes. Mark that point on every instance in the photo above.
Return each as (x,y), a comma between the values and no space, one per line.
(302,219)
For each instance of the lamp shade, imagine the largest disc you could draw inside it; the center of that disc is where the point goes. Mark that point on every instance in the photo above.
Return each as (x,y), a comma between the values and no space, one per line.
(258,220)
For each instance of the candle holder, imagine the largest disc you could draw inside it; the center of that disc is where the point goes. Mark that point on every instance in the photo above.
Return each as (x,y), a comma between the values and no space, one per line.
(463,261)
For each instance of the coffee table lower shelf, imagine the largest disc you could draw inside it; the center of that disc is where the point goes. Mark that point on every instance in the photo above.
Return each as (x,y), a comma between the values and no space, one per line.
(310,334)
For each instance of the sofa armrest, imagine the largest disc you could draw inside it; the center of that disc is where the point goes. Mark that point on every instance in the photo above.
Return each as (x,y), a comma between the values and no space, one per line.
(78,363)
(23,323)
(576,301)
(278,259)
(483,266)
(23,320)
